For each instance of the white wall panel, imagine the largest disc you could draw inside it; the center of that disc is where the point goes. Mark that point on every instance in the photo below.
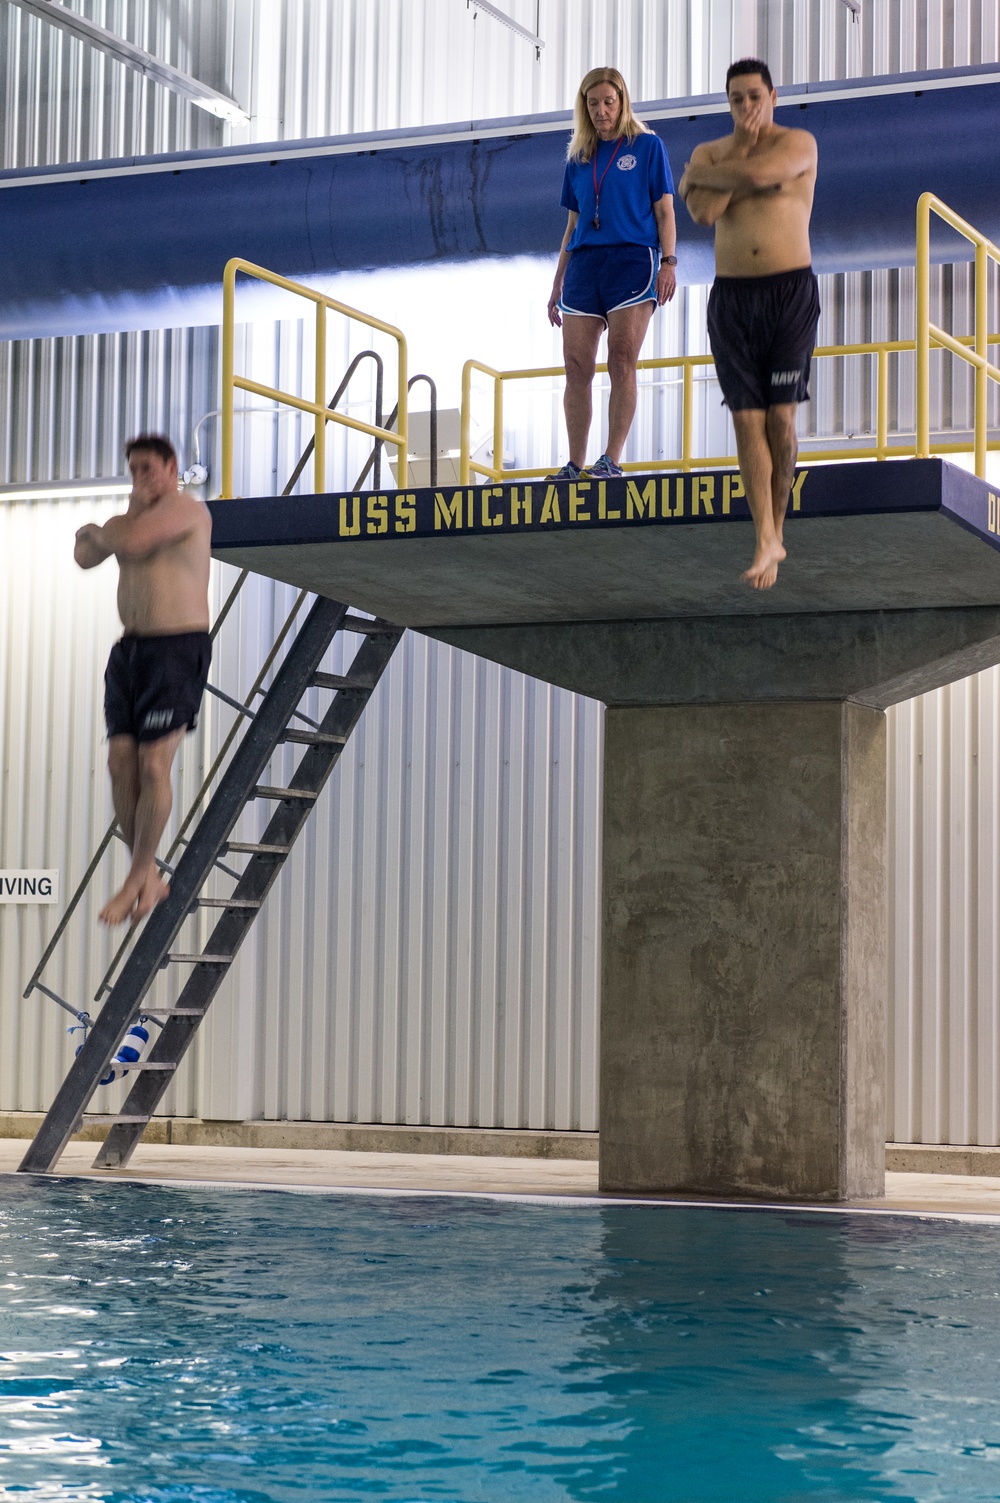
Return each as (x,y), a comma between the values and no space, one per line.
(944,984)
(431,952)
(56,627)
(65,101)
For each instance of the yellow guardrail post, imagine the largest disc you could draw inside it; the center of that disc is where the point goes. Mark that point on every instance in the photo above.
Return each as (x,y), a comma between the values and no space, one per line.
(465,464)
(319,420)
(402,415)
(466,428)
(687,413)
(498,427)
(982,369)
(228,366)
(923,325)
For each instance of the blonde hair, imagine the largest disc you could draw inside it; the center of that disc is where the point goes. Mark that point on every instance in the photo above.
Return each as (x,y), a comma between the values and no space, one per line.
(583,142)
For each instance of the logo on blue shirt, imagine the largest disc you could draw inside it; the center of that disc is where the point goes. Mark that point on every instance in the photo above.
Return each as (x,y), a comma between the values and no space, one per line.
(625,164)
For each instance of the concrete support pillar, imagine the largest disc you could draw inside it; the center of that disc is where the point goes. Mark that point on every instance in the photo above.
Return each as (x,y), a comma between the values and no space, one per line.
(743,1014)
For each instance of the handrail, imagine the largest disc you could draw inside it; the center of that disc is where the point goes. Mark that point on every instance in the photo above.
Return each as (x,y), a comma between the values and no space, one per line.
(379,379)
(687,460)
(928,333)
(322,414)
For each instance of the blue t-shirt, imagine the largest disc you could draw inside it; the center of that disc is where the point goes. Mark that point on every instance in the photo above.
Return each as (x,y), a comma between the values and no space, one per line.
(638,177)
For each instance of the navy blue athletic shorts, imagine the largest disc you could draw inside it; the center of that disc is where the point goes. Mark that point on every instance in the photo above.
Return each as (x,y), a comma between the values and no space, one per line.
(603,278)
(153,685)
(763,331)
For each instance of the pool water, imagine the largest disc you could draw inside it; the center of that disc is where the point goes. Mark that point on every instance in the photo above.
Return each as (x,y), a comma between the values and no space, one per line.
(221,1345)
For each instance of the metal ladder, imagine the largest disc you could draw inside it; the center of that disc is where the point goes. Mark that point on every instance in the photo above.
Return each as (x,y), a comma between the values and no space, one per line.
(246,899)
(203,854)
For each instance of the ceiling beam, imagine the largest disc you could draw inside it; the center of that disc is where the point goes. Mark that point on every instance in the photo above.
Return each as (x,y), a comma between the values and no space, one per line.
(508,21)
(220,105)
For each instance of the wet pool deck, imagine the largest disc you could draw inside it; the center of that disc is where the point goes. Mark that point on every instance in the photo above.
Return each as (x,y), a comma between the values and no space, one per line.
(330,1169)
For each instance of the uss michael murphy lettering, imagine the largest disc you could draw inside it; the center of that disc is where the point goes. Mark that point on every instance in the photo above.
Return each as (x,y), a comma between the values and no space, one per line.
(542,506)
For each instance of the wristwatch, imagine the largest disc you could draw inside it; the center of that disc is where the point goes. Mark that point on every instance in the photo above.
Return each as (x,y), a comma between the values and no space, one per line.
(670,260)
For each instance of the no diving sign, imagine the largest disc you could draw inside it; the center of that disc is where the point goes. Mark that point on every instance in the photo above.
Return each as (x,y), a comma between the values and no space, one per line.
(29,886)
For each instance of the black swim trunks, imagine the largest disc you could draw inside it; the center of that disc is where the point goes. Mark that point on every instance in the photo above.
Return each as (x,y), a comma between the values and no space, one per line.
(153,685)
(763,331)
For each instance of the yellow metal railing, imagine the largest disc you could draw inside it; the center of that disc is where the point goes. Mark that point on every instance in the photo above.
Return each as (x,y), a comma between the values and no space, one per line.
(972,348)
(687,460)
(928,333)
(320,411)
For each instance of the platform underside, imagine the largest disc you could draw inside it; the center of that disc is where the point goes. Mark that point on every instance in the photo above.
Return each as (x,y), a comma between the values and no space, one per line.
(897,536)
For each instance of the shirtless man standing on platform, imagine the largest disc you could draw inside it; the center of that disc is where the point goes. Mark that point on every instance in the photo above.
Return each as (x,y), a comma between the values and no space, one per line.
(756,187)
(156,673)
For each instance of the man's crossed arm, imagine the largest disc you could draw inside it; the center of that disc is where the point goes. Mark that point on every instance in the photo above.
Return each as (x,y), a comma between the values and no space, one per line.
(137,537)
(710,184)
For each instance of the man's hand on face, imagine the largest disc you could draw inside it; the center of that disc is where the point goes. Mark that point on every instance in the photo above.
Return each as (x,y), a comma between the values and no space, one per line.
(747,128)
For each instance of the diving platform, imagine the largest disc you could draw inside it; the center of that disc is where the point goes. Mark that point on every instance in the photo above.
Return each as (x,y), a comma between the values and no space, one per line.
(744,932)
(629,590)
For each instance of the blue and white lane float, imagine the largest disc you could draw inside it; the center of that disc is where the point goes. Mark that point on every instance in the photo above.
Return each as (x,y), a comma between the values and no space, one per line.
(129,1053)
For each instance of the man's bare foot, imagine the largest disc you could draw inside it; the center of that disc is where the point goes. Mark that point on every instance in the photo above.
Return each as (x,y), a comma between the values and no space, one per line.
(154,890)
(763,572)
(119,909)
(135,900)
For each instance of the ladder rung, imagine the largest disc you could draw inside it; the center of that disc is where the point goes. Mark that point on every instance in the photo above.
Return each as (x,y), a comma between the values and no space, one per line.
(173,1012)
(146,1064)
(102,1117)
(177,959)
(368,628)
(340,681)
(254,848)
(314,738)
(306,795)
(226,903)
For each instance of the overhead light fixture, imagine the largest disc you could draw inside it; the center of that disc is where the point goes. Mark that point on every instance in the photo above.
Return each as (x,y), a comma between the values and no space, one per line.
(220,105)
(509,22)
(64,490)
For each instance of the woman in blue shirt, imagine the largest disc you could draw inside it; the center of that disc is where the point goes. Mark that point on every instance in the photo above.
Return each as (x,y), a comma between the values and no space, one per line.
(619,193)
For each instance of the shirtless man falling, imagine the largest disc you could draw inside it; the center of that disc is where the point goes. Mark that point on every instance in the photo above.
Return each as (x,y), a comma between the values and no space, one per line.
(756,187)
(156,674)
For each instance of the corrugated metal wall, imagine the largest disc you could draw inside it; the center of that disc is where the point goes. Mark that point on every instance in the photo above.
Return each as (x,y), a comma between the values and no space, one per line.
(944,840)
(431,953)
(67,102)
(325,67)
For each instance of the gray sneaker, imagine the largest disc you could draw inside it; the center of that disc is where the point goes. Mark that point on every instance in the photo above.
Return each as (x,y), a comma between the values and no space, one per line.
(605,469)
(569,471)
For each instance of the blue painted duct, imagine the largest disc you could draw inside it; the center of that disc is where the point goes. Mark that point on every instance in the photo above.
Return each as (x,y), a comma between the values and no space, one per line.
(119,244)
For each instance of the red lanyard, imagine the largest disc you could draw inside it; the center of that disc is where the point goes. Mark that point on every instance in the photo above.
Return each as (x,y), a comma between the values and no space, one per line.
(599,185)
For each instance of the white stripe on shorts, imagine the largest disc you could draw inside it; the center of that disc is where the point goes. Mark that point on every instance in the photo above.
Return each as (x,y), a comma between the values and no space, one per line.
(579,313)
(644,295)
